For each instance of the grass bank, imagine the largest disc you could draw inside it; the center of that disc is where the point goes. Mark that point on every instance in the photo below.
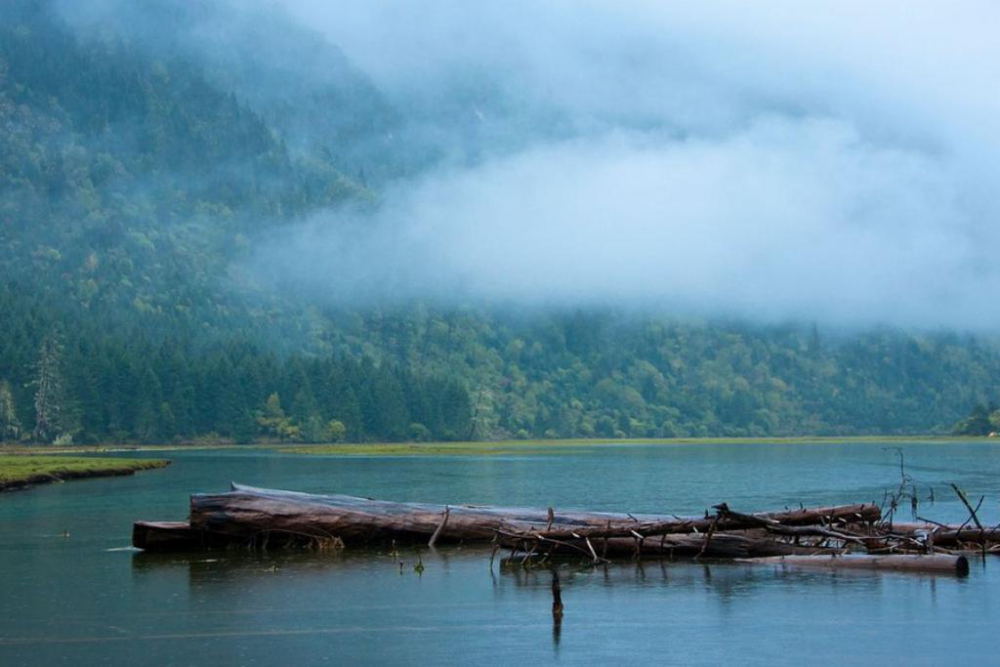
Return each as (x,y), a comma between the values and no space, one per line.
(567,446)
(19,470)
(17,448)
(497,447)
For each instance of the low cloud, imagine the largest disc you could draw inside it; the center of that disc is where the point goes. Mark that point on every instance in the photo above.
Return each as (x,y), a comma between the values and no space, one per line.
(830,161)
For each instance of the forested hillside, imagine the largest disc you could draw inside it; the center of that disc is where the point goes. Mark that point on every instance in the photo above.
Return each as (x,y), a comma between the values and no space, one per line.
(136,175)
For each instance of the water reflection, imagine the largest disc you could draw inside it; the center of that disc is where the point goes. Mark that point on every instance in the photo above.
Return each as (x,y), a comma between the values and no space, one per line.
(724,579)
(367,590)
(557,607)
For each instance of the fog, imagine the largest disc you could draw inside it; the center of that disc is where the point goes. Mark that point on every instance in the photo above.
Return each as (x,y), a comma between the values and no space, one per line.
(828,161)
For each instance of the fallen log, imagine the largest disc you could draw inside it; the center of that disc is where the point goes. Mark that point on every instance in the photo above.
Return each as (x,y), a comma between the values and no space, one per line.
(246,513)
(967,535)
(267,517)
(937,563)
(722,545)
(948,534)
(795,522)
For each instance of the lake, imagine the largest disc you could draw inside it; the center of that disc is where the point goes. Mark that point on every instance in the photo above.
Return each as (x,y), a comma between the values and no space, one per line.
(86,598)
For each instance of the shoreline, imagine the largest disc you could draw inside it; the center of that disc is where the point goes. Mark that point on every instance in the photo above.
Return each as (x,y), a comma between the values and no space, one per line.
(504,447)
(482,446)
(21,472)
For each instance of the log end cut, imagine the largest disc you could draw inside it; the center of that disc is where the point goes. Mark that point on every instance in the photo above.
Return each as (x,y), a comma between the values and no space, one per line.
(166,536)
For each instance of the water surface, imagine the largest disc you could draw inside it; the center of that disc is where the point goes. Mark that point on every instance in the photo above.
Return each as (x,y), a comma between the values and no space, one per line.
(84,599)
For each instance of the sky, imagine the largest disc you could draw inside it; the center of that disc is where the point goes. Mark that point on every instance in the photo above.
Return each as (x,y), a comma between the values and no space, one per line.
(824,161)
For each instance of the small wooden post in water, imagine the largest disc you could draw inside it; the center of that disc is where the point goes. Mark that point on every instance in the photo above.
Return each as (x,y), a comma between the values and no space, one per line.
(557,606)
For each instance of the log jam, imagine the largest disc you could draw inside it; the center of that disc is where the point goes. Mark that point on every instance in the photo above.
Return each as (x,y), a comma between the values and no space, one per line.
(840,537)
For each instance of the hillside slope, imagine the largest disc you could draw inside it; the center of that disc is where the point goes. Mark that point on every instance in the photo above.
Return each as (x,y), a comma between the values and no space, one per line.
(134,177)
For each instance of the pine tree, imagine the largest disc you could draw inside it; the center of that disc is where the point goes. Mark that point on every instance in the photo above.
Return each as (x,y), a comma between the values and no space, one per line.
(10,426)
(348,412)
(147,420)
(48,390)
(456,411)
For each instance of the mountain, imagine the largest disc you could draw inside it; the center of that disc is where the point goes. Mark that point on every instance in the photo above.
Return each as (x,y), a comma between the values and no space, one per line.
(148,146)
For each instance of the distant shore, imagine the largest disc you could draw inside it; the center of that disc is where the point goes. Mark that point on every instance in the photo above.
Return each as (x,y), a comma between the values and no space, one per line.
(473,446)
(502,447)
(18,471)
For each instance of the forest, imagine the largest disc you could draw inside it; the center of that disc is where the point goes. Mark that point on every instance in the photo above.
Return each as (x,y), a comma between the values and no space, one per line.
(137,177)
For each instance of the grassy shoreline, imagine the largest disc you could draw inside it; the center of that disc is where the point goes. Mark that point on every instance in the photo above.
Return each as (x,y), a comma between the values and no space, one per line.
(46,450)
(17,471)
(478,447)
(554,446)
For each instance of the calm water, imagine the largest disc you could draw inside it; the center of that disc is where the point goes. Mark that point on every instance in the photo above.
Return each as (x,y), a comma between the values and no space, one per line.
(83,599)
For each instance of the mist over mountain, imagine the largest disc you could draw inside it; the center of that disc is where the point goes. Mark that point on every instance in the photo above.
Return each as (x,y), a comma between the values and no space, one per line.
(318,221)
(828,162)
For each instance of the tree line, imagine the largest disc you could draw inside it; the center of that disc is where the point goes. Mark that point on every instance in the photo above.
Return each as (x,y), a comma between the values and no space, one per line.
(140,392)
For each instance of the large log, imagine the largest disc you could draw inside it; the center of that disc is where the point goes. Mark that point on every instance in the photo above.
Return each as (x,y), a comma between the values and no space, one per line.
(247,512)
(907,563)
(249,515)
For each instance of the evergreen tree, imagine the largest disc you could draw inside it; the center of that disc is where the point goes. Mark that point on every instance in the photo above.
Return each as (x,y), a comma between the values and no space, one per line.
(10,425)
(48,389)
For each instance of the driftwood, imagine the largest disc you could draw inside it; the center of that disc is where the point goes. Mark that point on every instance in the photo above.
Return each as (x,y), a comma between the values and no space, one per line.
(950,534)
(721,545)
(268,518)
(905,563)
(629,527)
